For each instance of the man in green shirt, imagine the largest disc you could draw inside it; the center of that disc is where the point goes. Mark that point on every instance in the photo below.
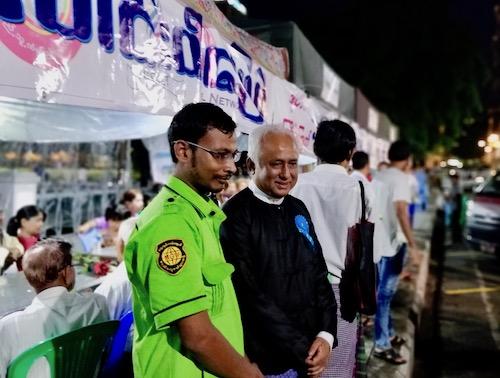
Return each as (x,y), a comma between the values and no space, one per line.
(187,320)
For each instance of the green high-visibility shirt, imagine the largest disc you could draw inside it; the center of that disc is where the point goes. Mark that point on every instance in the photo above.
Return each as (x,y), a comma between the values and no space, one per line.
(175,264)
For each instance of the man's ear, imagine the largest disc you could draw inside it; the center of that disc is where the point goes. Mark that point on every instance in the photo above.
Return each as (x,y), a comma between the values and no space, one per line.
(182,151)
(351,152)
(250,166)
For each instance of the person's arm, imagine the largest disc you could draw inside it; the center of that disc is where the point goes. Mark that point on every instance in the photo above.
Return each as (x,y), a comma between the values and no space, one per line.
(321,348)
(237,244)
(120,247)
(404,222)
(317,357)
(87,226)
(212,350)
(8,256)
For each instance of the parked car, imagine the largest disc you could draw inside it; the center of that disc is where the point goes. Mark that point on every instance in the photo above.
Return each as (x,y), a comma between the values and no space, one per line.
(482,223)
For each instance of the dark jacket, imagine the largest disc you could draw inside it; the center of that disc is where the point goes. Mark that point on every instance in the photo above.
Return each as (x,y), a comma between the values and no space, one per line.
(280,280)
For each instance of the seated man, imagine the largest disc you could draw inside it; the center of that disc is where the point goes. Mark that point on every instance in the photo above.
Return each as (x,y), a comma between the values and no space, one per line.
(54,311)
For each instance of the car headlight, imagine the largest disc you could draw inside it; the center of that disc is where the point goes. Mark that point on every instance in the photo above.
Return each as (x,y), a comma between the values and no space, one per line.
(470,206)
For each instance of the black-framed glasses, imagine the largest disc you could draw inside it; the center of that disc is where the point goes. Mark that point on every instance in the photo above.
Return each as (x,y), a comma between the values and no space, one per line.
(220,156)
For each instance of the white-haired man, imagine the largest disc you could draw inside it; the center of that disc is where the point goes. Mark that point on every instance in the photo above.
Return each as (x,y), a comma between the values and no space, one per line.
(287,305)
(54,311)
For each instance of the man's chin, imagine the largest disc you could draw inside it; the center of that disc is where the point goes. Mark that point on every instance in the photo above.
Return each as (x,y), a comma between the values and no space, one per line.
(280,193)
(217,187)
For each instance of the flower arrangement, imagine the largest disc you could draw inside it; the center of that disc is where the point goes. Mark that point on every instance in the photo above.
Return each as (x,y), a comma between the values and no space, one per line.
(92,264)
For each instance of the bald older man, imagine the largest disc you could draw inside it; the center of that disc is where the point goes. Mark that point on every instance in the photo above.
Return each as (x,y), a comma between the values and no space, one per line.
(54,311)
(287,304)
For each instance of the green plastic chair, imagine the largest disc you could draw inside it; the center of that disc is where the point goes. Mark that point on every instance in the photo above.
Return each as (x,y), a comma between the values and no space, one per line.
(76,354)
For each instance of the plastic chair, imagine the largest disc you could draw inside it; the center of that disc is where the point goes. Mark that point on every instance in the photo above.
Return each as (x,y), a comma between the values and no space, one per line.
(118,346)
(75,354)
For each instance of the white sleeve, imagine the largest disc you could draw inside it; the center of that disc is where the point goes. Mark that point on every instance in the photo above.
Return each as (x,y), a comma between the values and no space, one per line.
(402,190)
(117,291)
(126,228)
(5,351)
(328,337)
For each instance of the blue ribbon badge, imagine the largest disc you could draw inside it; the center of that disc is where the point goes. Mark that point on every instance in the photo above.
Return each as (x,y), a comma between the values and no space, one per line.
(303,227)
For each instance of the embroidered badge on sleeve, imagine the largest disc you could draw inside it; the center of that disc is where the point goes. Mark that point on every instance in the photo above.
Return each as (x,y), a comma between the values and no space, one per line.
(171,256)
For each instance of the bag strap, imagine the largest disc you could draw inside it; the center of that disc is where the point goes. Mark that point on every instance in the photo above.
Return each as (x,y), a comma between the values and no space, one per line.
(363,204)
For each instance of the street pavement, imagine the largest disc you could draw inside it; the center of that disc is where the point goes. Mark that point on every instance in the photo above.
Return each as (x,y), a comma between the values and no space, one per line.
(469,315)
(406,308)
(459,334)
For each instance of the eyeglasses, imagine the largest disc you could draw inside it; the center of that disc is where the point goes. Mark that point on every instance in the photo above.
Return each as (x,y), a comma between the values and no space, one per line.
(220,156)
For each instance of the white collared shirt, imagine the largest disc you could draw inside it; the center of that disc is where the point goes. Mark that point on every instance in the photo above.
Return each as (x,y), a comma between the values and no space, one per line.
(263,196)
(333,199)
(117,290)
(377,196)
(398,189)
(53,312)
(327,336)
(369,193)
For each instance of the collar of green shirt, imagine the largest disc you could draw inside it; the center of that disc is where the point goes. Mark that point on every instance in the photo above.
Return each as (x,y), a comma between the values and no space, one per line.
(204,205)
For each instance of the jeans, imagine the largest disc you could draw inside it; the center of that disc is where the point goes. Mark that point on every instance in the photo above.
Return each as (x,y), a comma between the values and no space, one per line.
(389,269)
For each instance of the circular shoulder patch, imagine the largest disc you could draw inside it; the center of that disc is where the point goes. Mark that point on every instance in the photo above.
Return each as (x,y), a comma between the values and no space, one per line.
(171,256)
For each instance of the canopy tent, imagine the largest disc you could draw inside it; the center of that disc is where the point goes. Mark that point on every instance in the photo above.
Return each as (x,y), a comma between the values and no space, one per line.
(31,121)
(99,74)
(121,69)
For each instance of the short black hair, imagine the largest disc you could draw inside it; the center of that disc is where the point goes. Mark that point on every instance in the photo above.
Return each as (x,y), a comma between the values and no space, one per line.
(399,151)
(25,212)
(360,159)
(117,213)
(335,141)
(193,121)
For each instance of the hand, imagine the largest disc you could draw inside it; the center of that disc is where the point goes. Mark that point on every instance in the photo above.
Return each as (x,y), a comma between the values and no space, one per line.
(256,373)
(317,357)
(415,256)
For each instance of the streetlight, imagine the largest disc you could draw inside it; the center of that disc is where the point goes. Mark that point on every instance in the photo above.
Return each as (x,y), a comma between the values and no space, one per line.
(493,138)
(491,148)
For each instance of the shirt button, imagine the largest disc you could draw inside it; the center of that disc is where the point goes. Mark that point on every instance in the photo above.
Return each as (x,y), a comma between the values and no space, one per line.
(212,213)
(170,200)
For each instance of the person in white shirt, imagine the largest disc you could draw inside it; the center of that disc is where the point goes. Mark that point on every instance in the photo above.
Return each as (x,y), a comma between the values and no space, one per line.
(413,182)
(116,287)
(397,226)
(54,311)
(133,201)
(360,172)
(376,195)
(334,202)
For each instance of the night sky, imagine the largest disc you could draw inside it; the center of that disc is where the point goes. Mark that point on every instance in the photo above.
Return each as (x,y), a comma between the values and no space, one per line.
(428,65)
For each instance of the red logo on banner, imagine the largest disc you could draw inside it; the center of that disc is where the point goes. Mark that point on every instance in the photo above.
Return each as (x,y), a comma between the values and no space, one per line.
(37,46)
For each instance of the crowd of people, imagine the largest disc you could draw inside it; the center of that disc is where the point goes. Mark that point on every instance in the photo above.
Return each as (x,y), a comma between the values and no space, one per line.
(229,278)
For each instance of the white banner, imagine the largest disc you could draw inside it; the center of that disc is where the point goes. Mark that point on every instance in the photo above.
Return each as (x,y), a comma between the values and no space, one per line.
(142,56)
(159,157)
(94,70)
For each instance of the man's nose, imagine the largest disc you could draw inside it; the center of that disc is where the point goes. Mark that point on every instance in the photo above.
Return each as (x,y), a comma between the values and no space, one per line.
(230,166)
(285,171)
